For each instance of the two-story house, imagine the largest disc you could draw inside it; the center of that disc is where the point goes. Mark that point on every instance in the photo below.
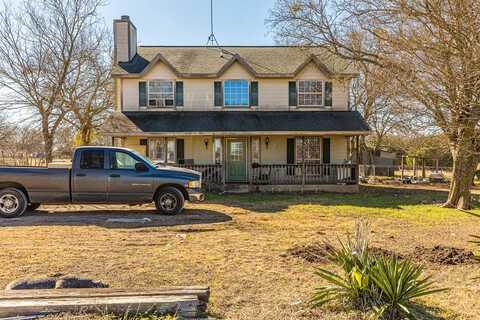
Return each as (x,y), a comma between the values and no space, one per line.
(268,117)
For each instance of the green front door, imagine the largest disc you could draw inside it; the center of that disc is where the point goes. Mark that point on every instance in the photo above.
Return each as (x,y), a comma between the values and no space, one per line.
(236,160)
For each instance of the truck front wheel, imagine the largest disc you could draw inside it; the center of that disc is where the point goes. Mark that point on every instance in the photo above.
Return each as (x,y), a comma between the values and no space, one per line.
(13,203)
(169,200)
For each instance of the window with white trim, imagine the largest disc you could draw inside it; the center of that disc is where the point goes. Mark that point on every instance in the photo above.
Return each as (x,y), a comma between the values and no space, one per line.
(161,93)
(308,149)
(256,150)
(217,150)
(310,93)
(236,93)
(162,150)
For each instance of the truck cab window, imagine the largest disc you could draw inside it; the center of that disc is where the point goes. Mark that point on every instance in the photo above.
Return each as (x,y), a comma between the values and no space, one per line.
(124,161)
(92,159)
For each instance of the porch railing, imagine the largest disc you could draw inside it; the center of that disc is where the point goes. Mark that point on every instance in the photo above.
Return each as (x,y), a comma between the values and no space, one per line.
(303,174)
(281,174)
(212,174)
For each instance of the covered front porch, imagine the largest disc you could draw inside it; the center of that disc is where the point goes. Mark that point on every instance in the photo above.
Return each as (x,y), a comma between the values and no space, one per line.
(320,155)
(257,161)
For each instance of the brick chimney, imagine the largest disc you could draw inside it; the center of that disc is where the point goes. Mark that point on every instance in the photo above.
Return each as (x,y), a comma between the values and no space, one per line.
(125,39)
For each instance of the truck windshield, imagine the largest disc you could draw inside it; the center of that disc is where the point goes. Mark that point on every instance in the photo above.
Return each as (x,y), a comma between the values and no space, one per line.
(145,159)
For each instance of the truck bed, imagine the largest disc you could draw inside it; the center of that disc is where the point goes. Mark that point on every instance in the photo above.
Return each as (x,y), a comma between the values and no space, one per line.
(44,185)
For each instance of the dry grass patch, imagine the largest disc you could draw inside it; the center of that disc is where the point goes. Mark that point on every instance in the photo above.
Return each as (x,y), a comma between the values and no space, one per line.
(235,244)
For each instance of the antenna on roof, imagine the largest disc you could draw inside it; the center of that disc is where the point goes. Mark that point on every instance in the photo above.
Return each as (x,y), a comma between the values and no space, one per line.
(212,41)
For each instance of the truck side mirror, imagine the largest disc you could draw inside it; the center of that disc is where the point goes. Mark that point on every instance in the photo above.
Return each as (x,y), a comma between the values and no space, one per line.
(141,167)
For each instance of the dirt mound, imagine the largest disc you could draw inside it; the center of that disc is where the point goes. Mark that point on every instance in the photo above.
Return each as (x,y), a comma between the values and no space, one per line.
(313,253)
(319,252)
(443,255)
(380,252)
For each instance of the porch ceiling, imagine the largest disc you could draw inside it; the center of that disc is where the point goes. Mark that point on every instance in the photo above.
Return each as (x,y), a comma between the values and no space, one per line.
(236,123)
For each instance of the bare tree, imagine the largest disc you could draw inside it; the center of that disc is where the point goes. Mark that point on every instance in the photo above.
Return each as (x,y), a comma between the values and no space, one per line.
(385,111)
(40,42)
(89,92)
(431,47)
(91,100)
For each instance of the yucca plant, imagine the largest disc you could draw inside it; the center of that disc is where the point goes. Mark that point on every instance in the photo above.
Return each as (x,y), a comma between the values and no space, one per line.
(352,285)
(366,282)
(476,239)
(399,283)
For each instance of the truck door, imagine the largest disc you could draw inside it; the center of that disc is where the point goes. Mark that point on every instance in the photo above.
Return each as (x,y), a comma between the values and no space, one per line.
(125,183)
(89,177)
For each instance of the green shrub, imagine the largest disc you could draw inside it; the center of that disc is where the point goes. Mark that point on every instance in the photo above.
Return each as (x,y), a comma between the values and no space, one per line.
(367,282)
(353,285)
(476,239)
(398,284)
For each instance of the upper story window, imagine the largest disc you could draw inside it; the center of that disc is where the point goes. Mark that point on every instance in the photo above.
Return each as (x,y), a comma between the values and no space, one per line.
(236,93)
(310,93)
(161,93)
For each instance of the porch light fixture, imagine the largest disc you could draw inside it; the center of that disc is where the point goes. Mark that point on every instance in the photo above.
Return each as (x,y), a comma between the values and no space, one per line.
(206,143)
(267,141)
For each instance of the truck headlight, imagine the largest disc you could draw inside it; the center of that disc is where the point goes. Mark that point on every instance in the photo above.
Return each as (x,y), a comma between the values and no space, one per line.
(197,184)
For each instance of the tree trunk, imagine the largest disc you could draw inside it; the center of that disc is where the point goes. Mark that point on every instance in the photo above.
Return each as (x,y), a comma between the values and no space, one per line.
(464,166)
(48,147)
(85,136)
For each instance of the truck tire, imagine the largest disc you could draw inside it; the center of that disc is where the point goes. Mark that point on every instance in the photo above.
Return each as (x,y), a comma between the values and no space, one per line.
(169,201)
(33,206)
(13,203)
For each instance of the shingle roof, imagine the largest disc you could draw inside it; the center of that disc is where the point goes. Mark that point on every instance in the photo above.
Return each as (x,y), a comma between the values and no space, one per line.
(262,61)
(190,122)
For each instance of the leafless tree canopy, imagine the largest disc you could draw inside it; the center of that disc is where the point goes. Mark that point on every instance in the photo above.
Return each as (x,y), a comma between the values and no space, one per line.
(432,47)
(44,46)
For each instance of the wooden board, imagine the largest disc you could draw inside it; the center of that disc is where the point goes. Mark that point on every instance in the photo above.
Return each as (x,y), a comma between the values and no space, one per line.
(202,292)
(184,306)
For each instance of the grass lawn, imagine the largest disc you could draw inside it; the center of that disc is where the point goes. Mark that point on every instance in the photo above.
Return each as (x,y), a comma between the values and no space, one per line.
(237,244)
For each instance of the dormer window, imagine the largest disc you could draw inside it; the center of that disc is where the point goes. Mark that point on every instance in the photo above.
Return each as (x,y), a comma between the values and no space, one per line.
(236,93)
(310,93)
(161,93)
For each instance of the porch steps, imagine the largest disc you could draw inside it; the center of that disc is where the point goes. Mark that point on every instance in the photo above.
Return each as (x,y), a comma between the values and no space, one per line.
(236,188)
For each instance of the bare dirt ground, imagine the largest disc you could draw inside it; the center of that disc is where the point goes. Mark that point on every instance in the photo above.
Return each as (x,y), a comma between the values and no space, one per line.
(238,245)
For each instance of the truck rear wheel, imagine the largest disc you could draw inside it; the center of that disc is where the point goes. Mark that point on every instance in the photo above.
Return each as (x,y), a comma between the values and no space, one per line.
(13,203)
(169,201)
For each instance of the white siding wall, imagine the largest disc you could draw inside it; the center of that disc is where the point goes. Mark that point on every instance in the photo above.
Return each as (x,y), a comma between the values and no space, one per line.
(198,93)
(276,152)
(195,149)
(339,149)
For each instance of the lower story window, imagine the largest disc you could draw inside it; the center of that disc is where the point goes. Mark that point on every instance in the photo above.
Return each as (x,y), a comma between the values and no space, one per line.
(217,150)
(256,150)
(162,150)
(308,149)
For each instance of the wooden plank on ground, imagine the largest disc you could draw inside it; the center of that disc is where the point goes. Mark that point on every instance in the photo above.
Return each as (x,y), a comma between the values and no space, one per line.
(202,292)
(184,306)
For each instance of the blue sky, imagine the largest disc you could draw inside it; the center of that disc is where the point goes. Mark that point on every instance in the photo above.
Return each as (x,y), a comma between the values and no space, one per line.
(187,22)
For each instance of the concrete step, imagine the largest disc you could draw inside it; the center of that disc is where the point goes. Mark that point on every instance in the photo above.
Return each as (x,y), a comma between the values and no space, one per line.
(234,188)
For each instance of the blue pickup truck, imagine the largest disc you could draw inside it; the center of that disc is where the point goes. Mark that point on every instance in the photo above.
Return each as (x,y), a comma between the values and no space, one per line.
(99,175)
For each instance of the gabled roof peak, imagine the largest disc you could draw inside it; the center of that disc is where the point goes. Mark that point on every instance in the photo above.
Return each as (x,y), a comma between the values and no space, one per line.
(259,61)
